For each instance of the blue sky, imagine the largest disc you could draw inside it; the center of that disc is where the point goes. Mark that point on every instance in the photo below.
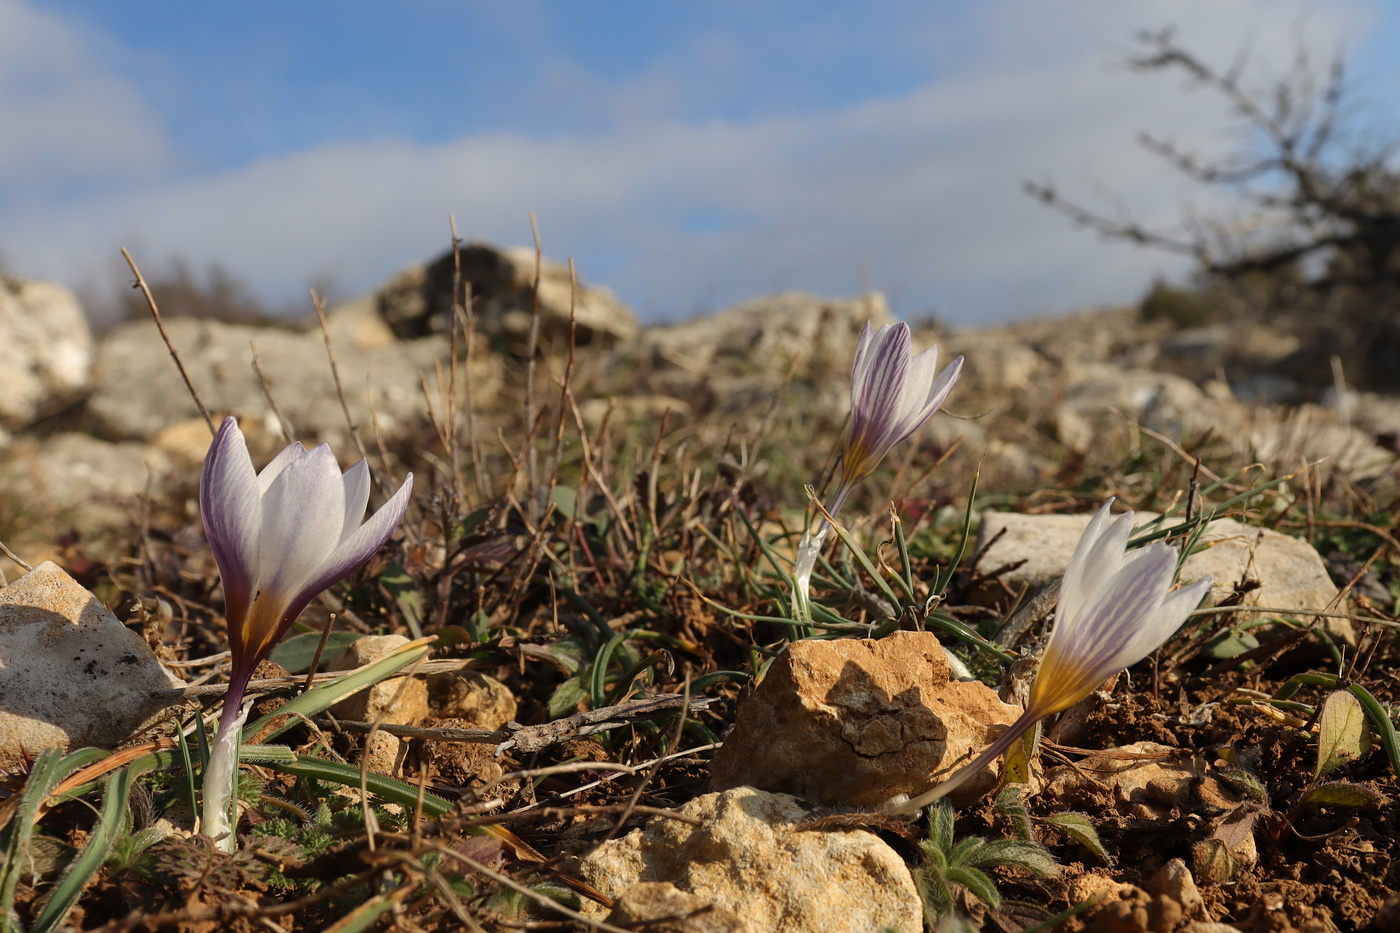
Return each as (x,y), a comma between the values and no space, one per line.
(687,155)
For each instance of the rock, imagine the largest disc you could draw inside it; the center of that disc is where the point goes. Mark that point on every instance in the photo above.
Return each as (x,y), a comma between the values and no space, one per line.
(1175,881)
(74,480)
(139,392)
(1147,779)
(1165,403)
(71,675)
(46,350)
(995,361)
(857,721)
(1291,575)
(661,907)
(478,701)
(770,334)
(418,300)
(749,857)
(399,700)
(1284,439)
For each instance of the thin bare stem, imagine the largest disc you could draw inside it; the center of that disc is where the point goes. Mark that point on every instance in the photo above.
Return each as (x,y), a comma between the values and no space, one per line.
(160,326)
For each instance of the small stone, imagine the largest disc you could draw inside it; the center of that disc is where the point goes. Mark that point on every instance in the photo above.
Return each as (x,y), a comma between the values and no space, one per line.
(399,700)
(478,700)
(661,907)
(857,721)
(71,675)
(749,856)
(1175,881)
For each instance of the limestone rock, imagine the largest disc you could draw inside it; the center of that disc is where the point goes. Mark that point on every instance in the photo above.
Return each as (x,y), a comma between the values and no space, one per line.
(46,350)
(661,907)
(748,857)
(71,675)
(1035,549)
(477,700)
(139,392)
(769,333)
(418,300)
(73,480)
(856,722)
(398,700)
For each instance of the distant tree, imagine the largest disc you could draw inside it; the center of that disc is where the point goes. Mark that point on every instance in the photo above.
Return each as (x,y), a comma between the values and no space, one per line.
(179,292)
(1314,239)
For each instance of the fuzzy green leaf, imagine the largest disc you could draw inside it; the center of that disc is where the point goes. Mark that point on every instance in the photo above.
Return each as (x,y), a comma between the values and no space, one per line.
(1344,794)
(1081,829)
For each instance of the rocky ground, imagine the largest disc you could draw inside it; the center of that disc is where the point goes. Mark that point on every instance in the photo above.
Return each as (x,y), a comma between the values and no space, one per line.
(602,517)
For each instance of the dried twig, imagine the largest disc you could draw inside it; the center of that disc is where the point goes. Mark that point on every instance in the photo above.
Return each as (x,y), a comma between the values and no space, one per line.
(160,326)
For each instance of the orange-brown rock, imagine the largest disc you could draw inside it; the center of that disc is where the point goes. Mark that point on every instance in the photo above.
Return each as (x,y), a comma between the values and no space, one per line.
(857,721)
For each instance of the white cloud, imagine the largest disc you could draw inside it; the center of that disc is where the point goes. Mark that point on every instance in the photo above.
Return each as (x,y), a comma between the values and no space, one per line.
(918,194)
(65,115)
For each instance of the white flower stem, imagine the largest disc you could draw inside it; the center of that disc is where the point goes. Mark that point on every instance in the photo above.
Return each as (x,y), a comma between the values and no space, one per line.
(219,777)
(809,550)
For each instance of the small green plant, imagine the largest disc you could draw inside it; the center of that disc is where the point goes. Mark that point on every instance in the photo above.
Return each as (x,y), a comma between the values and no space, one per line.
(959,868)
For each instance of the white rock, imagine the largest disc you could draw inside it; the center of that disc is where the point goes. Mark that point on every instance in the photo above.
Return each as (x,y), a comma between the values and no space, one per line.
(1290,573)
(748,856)
(71,675)
(46,350)
(769,334)
(400,701)
(139,392)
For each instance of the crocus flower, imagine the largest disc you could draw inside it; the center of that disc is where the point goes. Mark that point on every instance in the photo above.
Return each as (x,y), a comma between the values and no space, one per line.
(893,394)
(1115,608)
(280,537)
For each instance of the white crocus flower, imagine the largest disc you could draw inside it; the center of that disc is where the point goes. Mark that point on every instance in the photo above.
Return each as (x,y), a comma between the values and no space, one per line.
(280,537)
(1115,608)
(893,394)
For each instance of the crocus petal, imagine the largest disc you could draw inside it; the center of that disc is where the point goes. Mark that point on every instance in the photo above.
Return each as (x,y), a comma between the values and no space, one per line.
(356,481)
(303,516)
(1076,585)
(230,506)
(1114,609)
(289,454)
(361,544)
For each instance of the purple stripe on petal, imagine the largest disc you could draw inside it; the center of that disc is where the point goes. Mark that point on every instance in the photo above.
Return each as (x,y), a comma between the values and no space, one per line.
(230,506)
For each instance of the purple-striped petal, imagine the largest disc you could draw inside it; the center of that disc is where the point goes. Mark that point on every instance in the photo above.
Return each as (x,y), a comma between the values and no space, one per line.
(230,506)
(1115,608)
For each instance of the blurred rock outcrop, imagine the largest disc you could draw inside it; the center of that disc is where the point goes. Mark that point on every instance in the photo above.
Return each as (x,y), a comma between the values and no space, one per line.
(46,351)
(418,301)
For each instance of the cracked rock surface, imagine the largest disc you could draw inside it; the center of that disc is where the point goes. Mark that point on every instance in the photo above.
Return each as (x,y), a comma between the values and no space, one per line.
(856,721)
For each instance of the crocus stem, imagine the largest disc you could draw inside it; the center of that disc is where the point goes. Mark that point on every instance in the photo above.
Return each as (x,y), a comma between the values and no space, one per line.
(221,770)
(810,549)
(994,751)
